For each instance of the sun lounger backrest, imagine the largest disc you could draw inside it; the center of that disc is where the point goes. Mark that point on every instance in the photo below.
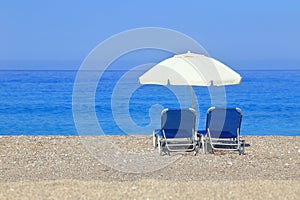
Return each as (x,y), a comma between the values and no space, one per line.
(179,123)
(224,122)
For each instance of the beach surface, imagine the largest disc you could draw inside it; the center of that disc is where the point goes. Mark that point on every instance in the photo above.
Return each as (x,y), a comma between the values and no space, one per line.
(63,167)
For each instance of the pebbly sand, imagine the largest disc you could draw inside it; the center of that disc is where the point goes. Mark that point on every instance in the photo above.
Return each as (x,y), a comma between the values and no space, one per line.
(61,167)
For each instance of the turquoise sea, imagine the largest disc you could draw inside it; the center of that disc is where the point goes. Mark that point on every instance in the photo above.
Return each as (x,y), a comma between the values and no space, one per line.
(40,102)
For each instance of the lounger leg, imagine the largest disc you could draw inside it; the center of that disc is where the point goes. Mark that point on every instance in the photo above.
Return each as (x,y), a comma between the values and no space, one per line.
(203,145)
(159,147)
(197,147)
(154,140)
(242,147)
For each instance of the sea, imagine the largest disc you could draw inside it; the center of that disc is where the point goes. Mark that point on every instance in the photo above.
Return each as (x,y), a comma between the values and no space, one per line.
(113,102)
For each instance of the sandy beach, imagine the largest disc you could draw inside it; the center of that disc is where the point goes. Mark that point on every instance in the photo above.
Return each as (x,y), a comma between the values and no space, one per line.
(61,167)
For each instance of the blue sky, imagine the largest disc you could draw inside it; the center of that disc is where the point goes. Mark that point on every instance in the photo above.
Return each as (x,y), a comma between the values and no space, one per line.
(60,34)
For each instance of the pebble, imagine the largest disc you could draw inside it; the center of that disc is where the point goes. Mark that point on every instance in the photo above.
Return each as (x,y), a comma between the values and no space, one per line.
(61,161)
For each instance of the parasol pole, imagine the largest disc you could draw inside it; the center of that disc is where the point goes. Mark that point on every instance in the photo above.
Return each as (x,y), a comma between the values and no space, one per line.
(193,97)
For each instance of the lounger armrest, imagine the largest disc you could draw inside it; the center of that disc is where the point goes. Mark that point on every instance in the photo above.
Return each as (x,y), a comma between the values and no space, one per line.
(201,133)
(157,132)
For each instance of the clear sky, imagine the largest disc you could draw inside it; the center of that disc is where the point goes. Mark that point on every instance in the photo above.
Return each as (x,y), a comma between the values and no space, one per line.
(59,34)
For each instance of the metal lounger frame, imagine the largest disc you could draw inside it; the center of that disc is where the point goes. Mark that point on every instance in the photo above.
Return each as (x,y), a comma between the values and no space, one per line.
(164,143)
(236,143)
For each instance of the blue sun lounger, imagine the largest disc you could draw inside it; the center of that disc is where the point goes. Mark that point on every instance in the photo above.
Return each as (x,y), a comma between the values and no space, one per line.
(222,130)
(177,131)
